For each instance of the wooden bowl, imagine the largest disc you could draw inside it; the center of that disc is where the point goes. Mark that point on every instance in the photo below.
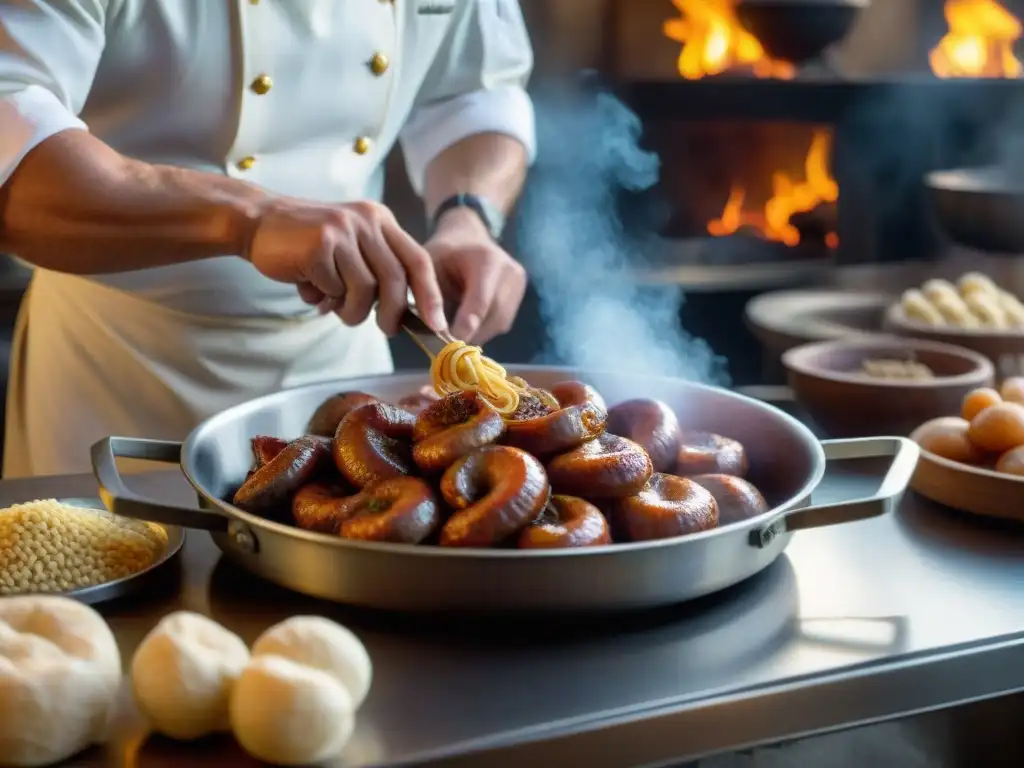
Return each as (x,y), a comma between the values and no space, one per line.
(1004,348)
(970,489)
(826,382)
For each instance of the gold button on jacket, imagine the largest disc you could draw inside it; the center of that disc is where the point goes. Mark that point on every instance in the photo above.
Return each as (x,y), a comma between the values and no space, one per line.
(262,84)
(379,64)
(362,145)
(246,163)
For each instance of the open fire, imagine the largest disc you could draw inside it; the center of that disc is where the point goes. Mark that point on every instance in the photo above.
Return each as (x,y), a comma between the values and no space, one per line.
(789,197)
(979,42)
(713,41)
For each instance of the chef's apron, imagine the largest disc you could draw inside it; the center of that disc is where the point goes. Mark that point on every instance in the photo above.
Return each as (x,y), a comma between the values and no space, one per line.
(90,360)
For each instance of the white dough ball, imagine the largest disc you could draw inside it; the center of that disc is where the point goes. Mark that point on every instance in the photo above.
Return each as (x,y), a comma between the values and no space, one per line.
(976,282)
(322,644)
(183,673)
(939,290)
(286,713)
(60,672)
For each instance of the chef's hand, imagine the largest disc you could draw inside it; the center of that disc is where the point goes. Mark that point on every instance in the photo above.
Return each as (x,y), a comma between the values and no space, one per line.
(347,257)
(487,283)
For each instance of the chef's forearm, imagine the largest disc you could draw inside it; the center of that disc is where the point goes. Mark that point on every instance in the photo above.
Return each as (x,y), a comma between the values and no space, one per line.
(75,205)
(491,165)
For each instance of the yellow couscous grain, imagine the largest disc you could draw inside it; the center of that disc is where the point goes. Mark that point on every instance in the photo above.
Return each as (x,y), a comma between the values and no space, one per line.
(46,546)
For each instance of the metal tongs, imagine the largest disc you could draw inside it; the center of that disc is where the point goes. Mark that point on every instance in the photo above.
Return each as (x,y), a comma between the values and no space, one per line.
(427,339)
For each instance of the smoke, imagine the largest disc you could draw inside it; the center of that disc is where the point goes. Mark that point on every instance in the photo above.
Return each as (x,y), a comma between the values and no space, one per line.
(579,255)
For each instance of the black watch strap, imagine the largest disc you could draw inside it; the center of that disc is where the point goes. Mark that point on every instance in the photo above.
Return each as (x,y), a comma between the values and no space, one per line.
(489,214)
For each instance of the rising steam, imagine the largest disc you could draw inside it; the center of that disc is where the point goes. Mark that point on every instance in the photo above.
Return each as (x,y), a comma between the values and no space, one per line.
(579,256)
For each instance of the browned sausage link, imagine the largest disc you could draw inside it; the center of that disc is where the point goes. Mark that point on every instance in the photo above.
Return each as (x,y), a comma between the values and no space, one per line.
(452,428)
(653,426)
(577,393)
(557,432)
(270,486)
(705,453)
(737,499)
(566,522)
(497,491)
(607,467)
(401,511)
(374,443)
(328,416)
(322,507)
(668,506)
(265,448)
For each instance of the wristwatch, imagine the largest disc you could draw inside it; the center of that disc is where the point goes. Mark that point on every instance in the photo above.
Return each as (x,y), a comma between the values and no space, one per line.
(489,214)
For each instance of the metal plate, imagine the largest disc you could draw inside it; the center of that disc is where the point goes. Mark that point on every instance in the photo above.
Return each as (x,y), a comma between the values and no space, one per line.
(137,582)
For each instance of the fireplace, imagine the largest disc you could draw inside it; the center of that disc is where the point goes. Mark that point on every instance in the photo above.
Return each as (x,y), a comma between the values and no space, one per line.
(815,162)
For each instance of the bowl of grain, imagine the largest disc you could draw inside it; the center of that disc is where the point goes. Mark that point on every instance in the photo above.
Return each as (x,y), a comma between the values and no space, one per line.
(76,548)
(882,385)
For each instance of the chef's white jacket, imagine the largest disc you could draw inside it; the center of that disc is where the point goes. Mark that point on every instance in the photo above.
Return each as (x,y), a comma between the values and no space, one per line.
(302,97)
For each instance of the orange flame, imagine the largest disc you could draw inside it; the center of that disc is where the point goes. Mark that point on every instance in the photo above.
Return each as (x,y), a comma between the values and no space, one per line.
(789,197)
(714,41)
(979,42)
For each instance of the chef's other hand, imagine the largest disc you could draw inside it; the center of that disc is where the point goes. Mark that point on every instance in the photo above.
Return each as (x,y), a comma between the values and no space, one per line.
(488,284)
(348,256)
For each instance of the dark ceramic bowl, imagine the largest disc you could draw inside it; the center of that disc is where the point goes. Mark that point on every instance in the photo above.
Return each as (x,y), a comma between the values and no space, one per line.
(980,208)
(798,31)
(826,380)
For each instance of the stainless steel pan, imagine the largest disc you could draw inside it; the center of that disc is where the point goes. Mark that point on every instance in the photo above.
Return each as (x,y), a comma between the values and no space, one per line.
(980,208)
(787,462)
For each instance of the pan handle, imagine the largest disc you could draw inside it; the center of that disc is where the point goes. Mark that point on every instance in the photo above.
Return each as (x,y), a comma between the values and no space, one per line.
(904,454)
(121,500)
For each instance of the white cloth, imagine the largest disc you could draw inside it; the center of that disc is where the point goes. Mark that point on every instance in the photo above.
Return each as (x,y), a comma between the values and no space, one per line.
(173,81)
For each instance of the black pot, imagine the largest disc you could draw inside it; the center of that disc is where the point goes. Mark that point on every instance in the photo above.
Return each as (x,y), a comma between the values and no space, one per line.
(980,208)
(798,30)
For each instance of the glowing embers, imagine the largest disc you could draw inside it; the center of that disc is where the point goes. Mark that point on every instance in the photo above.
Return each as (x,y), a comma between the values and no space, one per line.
(714,41)
(979,42)
(789,197)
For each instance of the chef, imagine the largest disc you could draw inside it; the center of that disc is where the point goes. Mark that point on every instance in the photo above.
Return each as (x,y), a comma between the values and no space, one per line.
(196,183)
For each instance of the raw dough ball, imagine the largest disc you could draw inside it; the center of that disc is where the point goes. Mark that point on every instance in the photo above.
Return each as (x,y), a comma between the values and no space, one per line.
(1012,307)
(998,428)
(917,307)
(322,644)
(977,400)
(296,702)
(976,282)
(940,290)
(286,713)
(1012,462)
(985,307)
(947,436)
(183,672)
(60,671)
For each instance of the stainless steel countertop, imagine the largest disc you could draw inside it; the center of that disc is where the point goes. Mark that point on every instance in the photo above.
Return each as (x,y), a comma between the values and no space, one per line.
(858,623)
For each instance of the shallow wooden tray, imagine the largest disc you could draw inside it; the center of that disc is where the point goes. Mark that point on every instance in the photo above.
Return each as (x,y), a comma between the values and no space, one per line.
(970,489)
